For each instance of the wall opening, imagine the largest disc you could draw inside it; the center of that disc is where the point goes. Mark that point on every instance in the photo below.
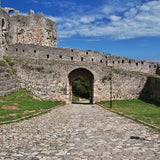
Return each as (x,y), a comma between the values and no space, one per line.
(3,23)
(84,74)
(11,12)
(80,90)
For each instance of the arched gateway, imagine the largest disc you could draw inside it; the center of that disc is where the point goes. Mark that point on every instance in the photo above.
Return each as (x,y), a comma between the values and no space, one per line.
(81,72)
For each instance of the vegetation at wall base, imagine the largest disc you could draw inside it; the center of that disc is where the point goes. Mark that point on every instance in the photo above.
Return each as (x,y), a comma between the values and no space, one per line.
(146,112)
(75,98)
(22,105)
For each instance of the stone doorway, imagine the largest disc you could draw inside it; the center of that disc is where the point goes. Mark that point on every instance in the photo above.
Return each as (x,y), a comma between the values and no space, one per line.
(81,72)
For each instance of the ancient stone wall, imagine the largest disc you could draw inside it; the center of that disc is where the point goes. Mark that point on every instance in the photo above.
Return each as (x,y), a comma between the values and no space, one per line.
(32,29)
(132,65)
(122,84)
(49,80)
(67,54)
(4,22)
(151,90)
(8,79)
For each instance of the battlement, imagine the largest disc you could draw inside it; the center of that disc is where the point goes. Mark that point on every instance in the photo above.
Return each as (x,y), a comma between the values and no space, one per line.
(76,55)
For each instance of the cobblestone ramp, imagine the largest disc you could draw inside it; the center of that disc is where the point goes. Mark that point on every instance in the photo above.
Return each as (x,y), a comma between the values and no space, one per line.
(78,132)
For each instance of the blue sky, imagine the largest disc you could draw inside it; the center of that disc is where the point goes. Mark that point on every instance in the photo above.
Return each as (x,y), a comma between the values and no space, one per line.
(129,28)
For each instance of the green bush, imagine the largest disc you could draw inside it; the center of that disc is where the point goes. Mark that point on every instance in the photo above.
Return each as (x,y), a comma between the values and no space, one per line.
(80,88)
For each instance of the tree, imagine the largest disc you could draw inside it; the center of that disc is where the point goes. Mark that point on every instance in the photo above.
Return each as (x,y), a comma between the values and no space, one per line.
(80,87)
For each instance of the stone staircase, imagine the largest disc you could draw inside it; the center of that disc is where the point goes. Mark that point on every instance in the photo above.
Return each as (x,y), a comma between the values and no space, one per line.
(8,80)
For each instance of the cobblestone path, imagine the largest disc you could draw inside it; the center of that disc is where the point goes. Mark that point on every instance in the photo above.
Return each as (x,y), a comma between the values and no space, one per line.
(78,132)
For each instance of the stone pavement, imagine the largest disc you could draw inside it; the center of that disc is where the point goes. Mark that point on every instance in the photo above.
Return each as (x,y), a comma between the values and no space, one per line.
(78,132)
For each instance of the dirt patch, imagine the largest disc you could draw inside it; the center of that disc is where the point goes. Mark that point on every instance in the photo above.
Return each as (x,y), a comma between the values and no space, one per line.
(11,108)
(2,116)
(32,111)
(13,115)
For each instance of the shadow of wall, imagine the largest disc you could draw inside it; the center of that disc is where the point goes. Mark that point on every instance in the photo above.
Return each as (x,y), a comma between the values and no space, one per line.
(151,90)
(158,70)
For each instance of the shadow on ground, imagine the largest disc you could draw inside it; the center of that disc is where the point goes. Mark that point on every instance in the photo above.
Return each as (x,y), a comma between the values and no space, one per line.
(83,102)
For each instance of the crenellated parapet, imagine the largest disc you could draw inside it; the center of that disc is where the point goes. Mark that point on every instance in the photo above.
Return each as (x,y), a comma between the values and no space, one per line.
(76,55)
(133,65)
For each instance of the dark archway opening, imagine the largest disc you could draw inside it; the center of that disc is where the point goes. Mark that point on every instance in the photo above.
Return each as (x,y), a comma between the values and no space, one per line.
(80,90)
(3,23)
(83,75)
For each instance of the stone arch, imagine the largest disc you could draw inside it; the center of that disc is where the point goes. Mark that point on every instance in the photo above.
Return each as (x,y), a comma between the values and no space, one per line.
(85,73)
(11,12)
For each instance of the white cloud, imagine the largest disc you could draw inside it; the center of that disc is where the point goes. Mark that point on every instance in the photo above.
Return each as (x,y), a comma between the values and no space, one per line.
(87,19)
(46,3)
(56,19)
(117,23)
(115,18)
(107,9)
(91,18)
(131,13)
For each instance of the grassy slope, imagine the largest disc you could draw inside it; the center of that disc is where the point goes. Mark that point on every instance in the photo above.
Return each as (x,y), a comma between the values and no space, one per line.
(75,98)
(25,103)
(138,110)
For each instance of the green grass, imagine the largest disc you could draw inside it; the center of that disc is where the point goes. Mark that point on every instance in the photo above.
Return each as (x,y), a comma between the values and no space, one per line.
(139,110)
(2,63)
(21,104)
(75,98)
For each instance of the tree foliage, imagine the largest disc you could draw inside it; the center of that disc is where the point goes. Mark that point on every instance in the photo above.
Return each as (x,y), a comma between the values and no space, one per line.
(80,87)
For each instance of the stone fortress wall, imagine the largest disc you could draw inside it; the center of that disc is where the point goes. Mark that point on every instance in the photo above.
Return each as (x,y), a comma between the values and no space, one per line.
(67,54)
(29,44)
(49,80)
(4,19)
(30,29)
(8,79)
(18,30)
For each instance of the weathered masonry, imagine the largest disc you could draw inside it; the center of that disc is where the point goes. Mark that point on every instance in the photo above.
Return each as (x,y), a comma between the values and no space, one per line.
(29,50)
